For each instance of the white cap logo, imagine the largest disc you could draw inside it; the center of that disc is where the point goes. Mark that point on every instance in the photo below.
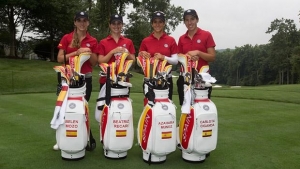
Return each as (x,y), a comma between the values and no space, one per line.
(188,11)
(158,14)
(116,16)
(81,13)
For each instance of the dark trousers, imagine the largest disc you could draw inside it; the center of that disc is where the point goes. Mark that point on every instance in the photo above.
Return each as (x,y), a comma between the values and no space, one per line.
(88,90)
(170,80)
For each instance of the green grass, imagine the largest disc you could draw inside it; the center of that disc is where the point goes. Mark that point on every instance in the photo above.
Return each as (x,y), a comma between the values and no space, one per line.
(258,126)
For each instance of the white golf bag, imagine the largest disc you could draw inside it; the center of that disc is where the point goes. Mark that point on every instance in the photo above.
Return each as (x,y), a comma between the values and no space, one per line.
(71,114)
(156,130)
(114,109)
(198,125)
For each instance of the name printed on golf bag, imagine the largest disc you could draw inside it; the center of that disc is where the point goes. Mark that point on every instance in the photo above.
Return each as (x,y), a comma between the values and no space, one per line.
(207,123)
(121,123)
(165,124)
(71,123)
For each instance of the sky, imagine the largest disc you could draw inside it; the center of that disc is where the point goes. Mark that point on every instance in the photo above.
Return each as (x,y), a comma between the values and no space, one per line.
(235,23)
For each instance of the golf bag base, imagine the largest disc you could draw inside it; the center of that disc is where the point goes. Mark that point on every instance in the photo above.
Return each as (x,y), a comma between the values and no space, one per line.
(154,158)
(72,136)
(73,157)
(193,157)
(116,124)
(114,155)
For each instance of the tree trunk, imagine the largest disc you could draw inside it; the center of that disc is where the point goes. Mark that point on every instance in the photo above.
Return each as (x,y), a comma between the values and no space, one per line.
(287,77)
(12,33)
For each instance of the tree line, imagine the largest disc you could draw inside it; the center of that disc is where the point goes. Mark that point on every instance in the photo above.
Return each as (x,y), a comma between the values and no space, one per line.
(277,62)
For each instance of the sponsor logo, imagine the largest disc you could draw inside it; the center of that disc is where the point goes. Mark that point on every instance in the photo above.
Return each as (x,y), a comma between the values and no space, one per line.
(206,107)
(164,107)
(72,106)
(198,41)
(166,45)
(120,105)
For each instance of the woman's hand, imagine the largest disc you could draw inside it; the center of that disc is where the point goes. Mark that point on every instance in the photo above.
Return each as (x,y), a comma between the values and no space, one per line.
(194,55)
(159,56)
(144,54)
(83,50)
(119,49)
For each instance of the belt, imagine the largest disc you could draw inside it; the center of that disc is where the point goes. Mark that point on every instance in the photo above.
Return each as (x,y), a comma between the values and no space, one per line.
(88,75)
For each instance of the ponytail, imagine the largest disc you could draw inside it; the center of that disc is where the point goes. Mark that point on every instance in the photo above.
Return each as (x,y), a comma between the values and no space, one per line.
(75,41)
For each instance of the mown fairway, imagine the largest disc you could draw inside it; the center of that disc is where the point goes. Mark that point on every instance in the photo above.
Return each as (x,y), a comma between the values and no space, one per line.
(258,128)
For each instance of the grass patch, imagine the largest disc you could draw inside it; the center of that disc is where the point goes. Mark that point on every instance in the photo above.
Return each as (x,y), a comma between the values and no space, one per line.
(258,126)
(252,134)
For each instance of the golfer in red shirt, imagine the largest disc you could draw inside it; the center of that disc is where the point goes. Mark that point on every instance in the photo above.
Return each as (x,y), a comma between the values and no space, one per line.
(114,44)
(197,43)
(77,42)
(160,45)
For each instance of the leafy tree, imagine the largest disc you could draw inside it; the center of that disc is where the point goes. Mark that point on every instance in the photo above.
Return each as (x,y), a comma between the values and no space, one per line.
(57,21)
(282,43)
(13,14)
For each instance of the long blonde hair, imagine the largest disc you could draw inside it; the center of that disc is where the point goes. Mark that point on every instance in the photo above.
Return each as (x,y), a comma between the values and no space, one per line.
(75,41)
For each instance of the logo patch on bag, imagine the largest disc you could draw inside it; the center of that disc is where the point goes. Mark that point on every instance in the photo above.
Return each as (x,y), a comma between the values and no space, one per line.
(71,133)
(121,133)
(206,133)
(166,135)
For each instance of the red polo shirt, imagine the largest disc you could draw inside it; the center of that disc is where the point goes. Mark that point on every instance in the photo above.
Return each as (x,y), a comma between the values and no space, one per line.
(107,44)
(87,42)
(165,45)
(200,41)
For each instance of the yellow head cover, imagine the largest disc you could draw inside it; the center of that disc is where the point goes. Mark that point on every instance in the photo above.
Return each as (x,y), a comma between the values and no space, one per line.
(145,65)
(120,63)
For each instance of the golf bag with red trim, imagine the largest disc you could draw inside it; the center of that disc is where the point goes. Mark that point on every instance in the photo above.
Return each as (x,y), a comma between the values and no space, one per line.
(71,114)
(156,131)
(114,109)
(198,125)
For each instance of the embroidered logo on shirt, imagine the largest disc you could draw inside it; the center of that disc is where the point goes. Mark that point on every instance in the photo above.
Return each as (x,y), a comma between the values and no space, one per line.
(198,41)
(88,45)
(166,45)
(124,45)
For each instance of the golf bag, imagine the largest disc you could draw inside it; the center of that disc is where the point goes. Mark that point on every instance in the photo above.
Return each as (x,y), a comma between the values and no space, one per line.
(71,114)
(198,125)
(156,130)
(114,109)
